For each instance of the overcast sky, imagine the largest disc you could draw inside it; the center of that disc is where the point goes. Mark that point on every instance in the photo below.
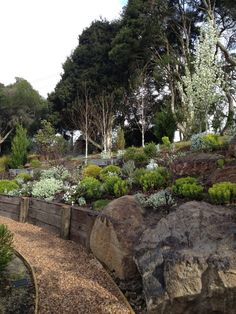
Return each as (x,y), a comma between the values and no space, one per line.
(38,35)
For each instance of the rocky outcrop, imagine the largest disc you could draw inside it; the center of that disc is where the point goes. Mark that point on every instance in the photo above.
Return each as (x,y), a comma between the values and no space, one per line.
(200,164)
(114,235)
(232,147)
(188,261)
(228,173)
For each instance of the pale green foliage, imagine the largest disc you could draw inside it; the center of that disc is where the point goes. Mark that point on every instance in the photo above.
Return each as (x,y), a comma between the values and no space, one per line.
(202,88)
(47,188)
(58,173)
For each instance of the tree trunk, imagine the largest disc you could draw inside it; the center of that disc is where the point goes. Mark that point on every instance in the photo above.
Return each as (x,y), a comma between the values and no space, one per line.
(230,117)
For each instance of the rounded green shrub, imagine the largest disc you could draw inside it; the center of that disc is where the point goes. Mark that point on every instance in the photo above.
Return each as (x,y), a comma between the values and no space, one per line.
(109,171)
(92,171)
(223,193)
(90,188)
(4,162)
(6,246)
(7,186)
(136,154)
(151,180)
(35,163)
(188,187)
(150,150)
(23,177)
(109,183)
(165,140)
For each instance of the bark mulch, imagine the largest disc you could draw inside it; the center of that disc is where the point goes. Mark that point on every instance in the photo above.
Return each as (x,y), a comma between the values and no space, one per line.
(70,280)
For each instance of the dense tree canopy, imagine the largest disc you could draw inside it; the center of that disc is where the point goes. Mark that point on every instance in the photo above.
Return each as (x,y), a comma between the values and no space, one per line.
(142,58)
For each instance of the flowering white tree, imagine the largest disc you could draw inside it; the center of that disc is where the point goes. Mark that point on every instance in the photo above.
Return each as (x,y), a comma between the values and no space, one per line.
(203,88)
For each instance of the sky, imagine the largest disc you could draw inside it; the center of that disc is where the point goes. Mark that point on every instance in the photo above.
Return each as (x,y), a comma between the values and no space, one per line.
(38,35)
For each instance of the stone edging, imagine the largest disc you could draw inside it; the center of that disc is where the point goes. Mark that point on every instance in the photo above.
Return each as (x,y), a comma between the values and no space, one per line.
(118,289)
(27,264)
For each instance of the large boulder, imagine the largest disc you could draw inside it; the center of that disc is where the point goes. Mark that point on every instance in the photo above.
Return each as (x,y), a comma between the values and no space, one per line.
(198,164)
(114,235)
(188,261)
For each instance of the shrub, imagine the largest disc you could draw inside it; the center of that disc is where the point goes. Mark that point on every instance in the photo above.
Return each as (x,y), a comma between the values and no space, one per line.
(188,187)
(109,184)
(150,150)
(19,148)
(99,205)
(138,173)
(128,169)
(161,198)
(121,188)
(92,171)
(166,141)
(204,141)
(108,171)
(135,154)
(6,246)
(4,162)
(151,180)
(223,192)
(90,188)
(35,163)
(221,163)
(23,177)
(47,188)
(120,140)
(58,173)
(7,186)
(31,157)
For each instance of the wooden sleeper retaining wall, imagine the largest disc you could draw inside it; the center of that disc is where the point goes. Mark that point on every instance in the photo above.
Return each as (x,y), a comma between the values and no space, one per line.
(69,222)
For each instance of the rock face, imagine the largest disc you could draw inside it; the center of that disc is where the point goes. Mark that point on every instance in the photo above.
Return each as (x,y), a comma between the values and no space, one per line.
(199,164)
(114,235)
(188,261)
(232,147)
(228,173)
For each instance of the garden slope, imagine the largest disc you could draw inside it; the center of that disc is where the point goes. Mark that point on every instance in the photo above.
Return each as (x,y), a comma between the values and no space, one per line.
(69,279)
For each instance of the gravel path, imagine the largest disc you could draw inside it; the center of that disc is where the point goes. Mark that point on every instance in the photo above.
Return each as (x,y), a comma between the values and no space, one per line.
(69,279)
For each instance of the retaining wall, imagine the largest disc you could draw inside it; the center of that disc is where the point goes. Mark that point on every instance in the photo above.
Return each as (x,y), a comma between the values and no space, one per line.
(69,222)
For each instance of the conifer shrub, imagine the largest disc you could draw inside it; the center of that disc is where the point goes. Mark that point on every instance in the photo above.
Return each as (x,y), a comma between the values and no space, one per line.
(188,187)
(19,146)
(223,193)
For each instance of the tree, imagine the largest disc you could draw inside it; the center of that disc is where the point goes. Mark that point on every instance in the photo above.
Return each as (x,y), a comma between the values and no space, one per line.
(120,140)
(203,88)
(45,139)
(20,104)
(19,146)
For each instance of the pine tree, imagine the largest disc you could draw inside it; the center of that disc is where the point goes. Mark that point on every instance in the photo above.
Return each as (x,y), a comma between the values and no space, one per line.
(19,146)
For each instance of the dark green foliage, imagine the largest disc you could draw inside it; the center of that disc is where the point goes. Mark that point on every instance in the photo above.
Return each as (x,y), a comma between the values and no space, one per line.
(7,186)
(164,124)
(136,154)
(150,150)
(108,171)
(19,148)
(188,187)
(6,246)
(223,193)
(99,205)
(90,188)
